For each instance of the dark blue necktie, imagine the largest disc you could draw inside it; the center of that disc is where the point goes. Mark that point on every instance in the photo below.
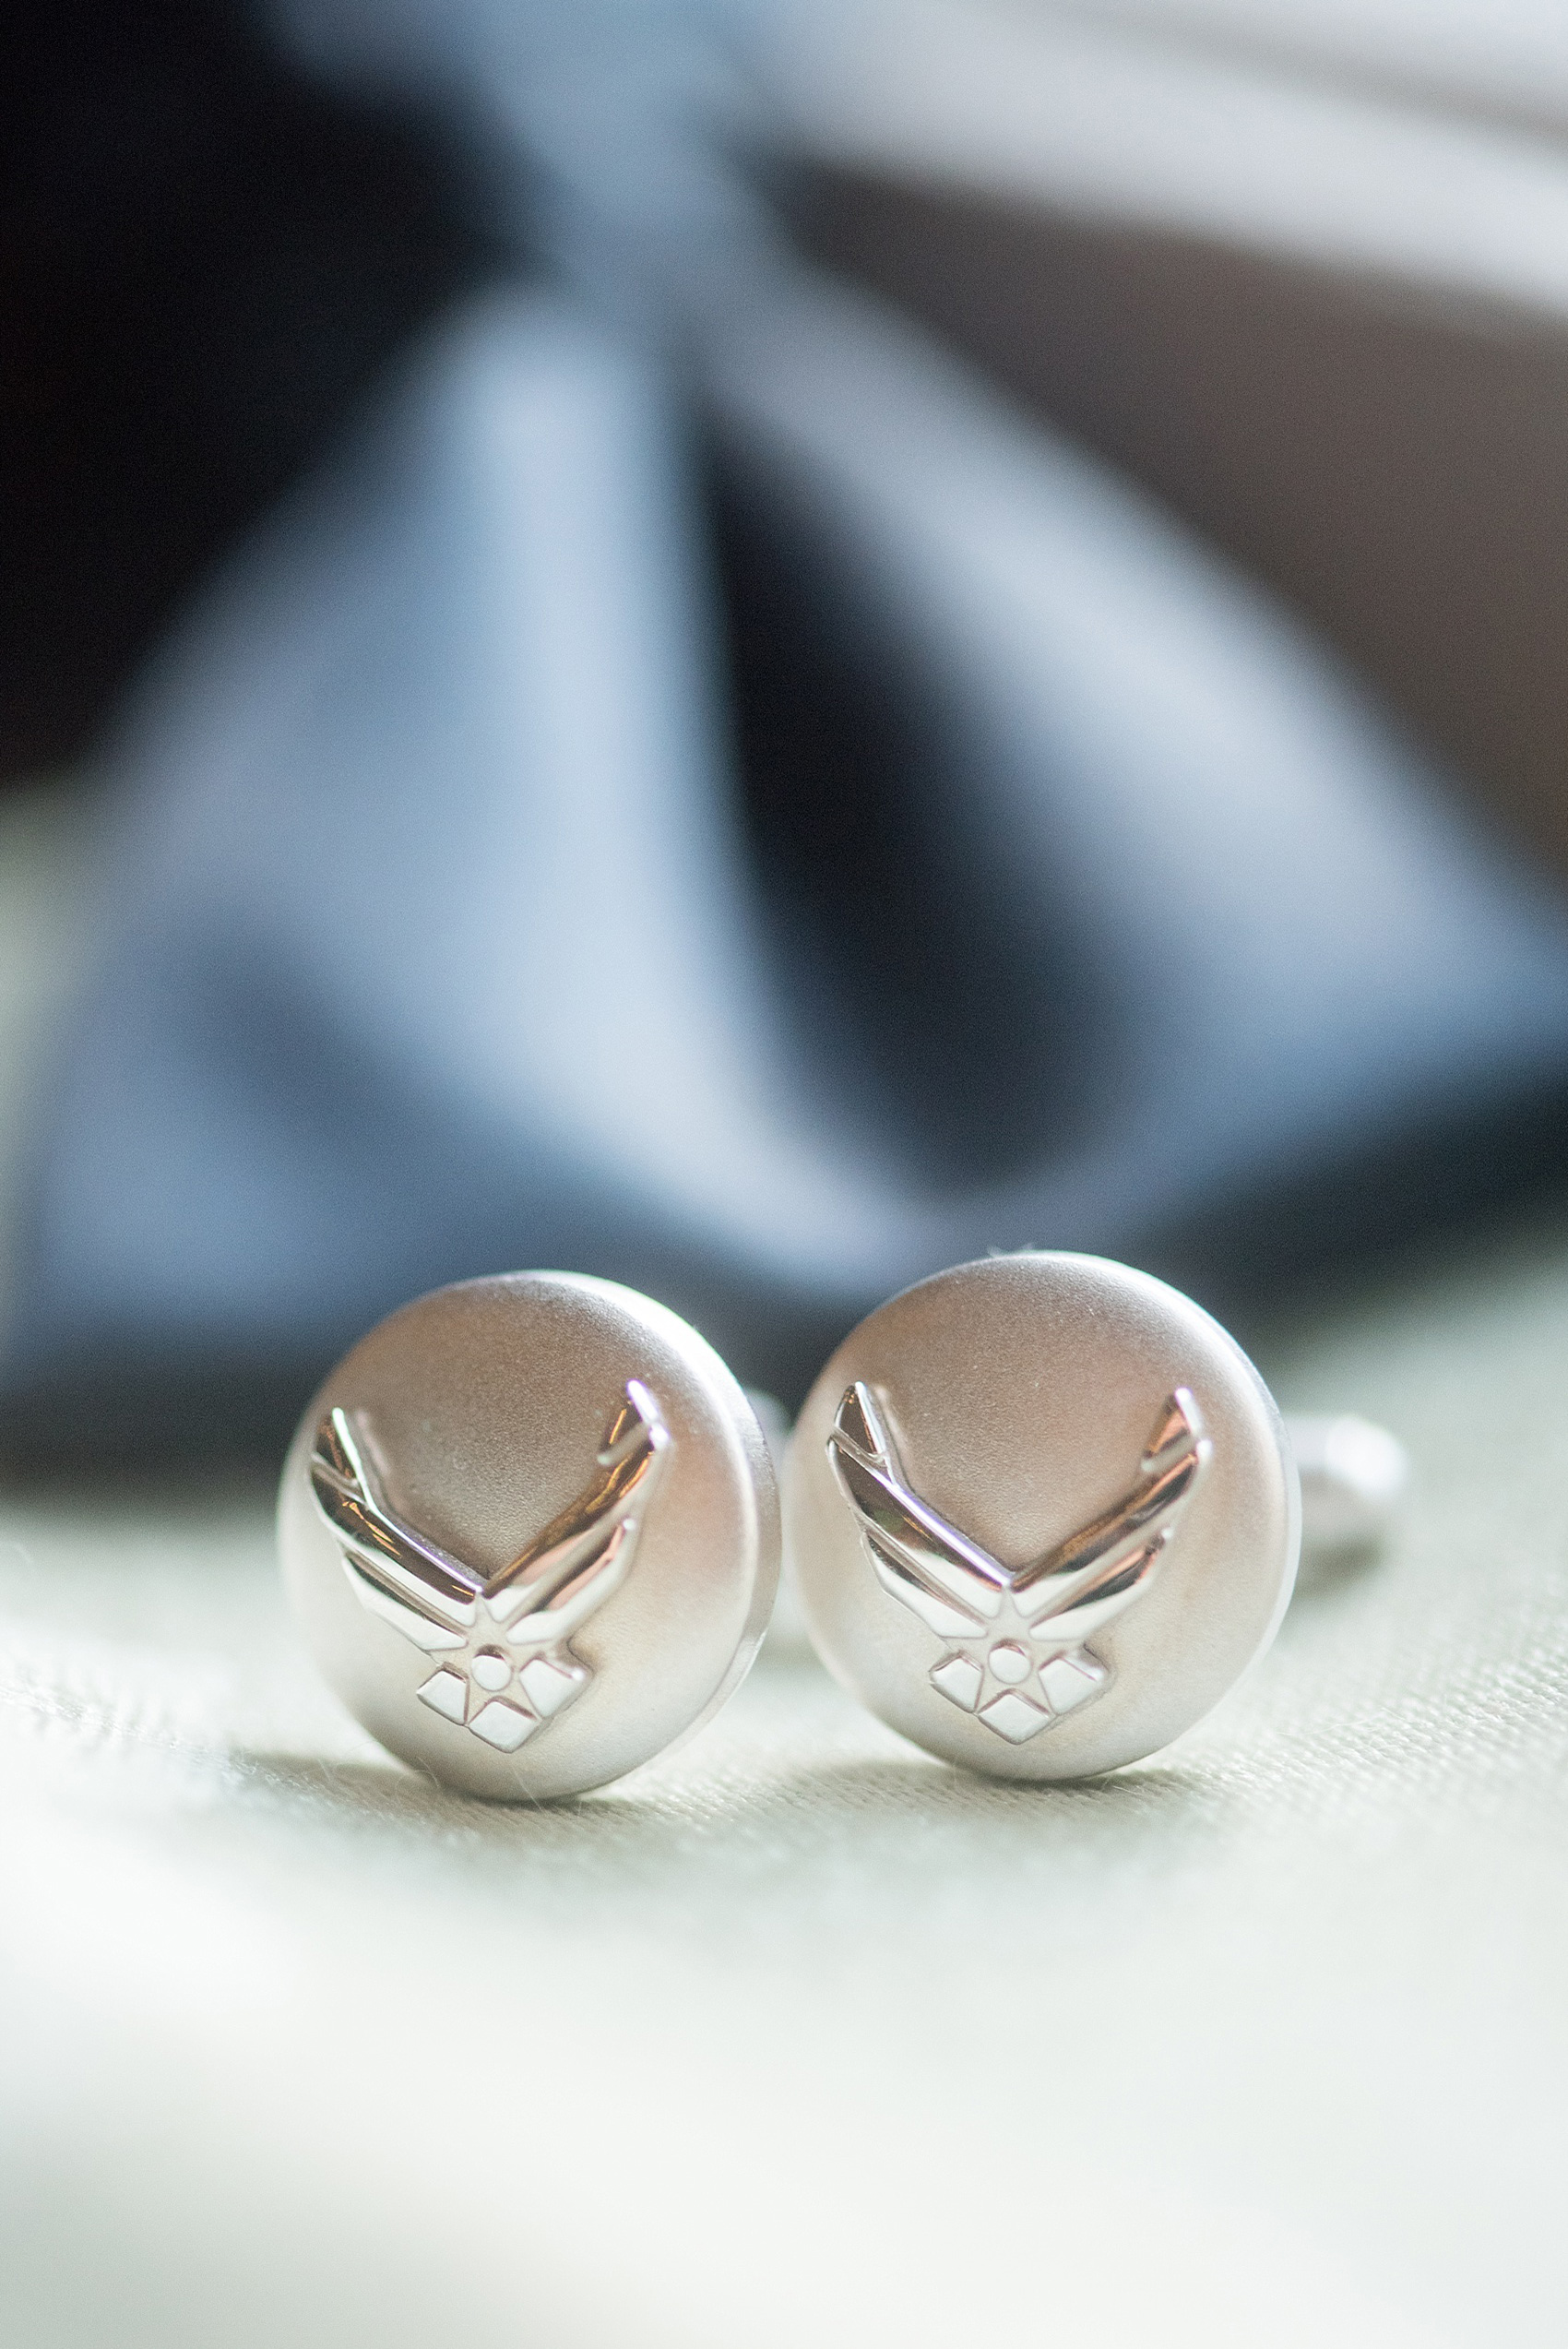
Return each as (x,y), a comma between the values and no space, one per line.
(701,791)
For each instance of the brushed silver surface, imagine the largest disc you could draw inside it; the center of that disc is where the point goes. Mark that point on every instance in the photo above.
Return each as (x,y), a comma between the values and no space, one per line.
(530,1528)
(1016,1396)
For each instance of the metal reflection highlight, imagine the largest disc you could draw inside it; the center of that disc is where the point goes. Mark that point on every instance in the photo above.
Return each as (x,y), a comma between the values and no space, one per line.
(505,1666)
(1014,1640)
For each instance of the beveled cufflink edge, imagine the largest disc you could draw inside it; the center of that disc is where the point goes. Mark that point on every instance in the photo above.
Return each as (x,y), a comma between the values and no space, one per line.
(726,1486)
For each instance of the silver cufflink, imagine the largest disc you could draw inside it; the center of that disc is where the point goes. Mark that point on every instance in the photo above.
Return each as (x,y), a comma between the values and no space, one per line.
(1353,1477)
(530,1528)
(1041,1513)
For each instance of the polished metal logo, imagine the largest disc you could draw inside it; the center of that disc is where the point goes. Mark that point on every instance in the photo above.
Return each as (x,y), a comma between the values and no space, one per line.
(1015,1638)
(505,1666)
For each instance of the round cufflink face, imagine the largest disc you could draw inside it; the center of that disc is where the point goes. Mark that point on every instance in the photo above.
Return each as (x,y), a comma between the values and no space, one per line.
(1041,1514)
(530,1528)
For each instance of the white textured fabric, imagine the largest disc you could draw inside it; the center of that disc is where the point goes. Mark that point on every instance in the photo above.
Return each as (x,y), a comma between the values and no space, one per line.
(800,2037)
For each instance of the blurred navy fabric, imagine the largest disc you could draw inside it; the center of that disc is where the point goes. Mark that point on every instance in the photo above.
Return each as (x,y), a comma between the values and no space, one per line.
(698,789)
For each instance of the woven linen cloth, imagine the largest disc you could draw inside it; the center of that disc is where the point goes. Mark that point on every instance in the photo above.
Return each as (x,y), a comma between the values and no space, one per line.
(799,2035)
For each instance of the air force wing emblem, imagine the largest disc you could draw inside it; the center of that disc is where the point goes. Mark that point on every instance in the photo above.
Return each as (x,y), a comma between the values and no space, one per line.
(1015,1652)
(502,1649)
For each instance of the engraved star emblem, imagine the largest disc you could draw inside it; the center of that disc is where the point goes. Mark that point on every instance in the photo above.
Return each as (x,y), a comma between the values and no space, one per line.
(502,1646)
(1015,1653)
(486,1687)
